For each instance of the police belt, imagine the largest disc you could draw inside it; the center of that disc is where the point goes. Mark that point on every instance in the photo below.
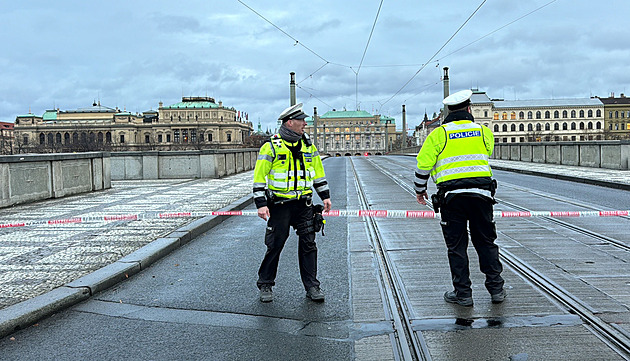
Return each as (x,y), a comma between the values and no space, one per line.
(275,200)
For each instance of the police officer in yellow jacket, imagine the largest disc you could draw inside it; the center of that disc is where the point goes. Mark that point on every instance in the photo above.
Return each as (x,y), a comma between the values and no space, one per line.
(455,156)
(287,170)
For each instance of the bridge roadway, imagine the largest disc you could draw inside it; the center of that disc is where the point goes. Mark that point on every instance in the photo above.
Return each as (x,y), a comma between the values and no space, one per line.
(196,298)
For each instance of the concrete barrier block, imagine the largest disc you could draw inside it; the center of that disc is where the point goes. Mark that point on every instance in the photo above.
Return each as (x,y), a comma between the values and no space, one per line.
(590,155)
(97,174)
(611,157)
(150,165)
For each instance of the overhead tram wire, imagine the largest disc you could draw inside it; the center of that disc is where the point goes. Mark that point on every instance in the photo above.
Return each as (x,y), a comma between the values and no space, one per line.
(356,83)
(297,42)
(498,29)
(436,53)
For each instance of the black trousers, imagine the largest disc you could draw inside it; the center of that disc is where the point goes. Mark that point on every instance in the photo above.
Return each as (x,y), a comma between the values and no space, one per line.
(475,211)
(283,216)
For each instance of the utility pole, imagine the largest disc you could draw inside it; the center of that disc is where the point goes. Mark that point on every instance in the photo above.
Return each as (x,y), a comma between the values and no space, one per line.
(315,127)
(404,128)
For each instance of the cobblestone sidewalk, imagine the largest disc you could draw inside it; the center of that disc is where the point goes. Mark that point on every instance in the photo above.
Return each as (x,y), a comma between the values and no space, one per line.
(38,258)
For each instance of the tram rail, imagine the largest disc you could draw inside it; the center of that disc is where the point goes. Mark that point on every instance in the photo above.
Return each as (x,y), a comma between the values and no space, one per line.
(409,344)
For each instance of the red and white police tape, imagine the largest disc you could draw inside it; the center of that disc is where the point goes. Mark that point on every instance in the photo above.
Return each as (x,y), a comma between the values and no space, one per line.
(332,213)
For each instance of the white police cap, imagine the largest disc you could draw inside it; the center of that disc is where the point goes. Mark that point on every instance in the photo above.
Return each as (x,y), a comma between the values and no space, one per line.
(292,112)
(457,98)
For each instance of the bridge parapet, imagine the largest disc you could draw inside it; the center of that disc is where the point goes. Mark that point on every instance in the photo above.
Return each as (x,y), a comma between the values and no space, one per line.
(32,177)
(612,154)
(181,164)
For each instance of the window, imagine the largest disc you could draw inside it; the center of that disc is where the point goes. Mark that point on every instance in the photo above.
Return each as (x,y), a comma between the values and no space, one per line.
(598,125)
(193,135)
(496,127)
(50,138)
(521,115)
(496,116)
(582,125)
(176,136)
(521,127)
(556,126)
(168,138)
(617,114)
(547,114)
(485,114)
(185,135)
(122,138)
(564,114)
(590,113)
(538,127)
(556,114)
(513,127)
(42,138)
(513,115)
(610,114)
(58,138)
(599,113)
(529,127)
(209,137)
(529,115)
(581,113)
(547,126)
(147,138)
(229,137)
(25,140)
(159,138)
(565,126)
(100,138)
(538,114)
(589,125)
(505,127)
(573,114)
(573,126)
(108,137)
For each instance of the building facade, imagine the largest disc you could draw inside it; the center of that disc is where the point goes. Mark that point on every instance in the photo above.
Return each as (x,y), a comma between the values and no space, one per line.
(540,120)
(616,117)
(193,123)
(6,138)
(348,133)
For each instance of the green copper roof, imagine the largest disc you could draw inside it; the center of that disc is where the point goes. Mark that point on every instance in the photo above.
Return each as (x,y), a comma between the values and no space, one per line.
(192,105)
(347,114)
(50,115)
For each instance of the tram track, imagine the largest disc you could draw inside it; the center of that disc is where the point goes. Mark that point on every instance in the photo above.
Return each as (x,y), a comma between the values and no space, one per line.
(409,344)
(612,335)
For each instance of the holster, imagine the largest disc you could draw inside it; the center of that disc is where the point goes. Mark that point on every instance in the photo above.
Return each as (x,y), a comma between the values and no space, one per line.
(315,224)
(438,200)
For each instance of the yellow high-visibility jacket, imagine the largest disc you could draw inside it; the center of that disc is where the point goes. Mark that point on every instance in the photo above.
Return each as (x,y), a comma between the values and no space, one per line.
(286,177)
(455,156)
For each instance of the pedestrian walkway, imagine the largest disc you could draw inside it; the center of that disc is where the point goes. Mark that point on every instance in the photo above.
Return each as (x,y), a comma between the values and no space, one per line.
(39,258)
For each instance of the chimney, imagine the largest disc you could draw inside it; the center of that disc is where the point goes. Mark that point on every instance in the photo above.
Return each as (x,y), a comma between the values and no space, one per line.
(446,83)
(292,88)
(623,95)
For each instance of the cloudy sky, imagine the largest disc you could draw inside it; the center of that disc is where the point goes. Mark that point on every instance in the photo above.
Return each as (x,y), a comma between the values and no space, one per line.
(375,55)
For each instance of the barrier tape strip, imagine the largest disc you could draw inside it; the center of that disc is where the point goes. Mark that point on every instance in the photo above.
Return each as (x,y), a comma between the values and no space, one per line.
(332,213)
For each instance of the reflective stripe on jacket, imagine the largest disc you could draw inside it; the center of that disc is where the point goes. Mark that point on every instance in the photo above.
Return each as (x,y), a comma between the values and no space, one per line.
(288,178)
(456,150)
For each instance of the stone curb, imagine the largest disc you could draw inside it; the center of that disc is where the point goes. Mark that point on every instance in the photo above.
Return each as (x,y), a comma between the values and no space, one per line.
(26,313)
